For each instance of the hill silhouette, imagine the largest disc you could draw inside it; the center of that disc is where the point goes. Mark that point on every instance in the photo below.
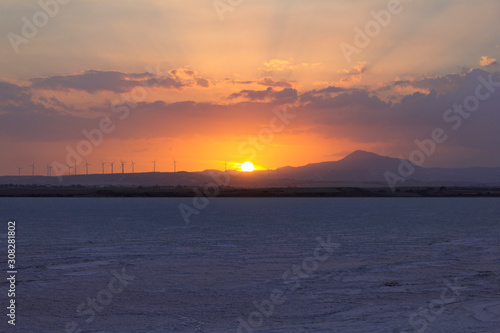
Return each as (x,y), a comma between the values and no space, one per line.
(360,168)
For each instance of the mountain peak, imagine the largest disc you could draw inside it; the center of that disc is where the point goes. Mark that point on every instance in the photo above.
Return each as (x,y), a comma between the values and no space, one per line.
(360,155)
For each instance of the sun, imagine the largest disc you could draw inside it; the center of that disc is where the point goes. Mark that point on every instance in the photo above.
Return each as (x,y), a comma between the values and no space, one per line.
(247,167)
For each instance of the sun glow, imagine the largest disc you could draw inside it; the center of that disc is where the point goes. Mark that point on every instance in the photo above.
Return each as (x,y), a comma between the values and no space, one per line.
(247,167)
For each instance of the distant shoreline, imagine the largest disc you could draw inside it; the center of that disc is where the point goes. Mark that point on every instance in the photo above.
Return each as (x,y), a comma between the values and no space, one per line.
(231,192)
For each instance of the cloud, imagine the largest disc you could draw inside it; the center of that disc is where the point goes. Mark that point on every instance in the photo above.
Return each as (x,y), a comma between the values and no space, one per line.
(92,81)
(12,94)
(232,81)
(487,61)
(187,75)
(281,66)
(253,94)
(359,68)
(202,82)
(158,119)
(333,112)
(287,95)
(352,99)
(269,82)
(441,84)
(24,118)
(278,65)
(266,81)
(311,95)
(352,76)
(363,117)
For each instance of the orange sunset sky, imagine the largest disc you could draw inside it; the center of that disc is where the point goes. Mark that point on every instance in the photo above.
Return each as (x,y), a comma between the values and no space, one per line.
(196,80)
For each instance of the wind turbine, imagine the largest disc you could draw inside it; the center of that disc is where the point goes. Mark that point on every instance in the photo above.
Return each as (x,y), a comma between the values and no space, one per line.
(111,163)
(132,166)
(154,166)
(19,170)
(75,168)
(175,162)
(69,170)
(86,167)
(49,170)
(33,169)
(123,166)
(102,164)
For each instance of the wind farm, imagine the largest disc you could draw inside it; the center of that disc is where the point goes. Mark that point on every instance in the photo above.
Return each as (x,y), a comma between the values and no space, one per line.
(105,168)
(359,169)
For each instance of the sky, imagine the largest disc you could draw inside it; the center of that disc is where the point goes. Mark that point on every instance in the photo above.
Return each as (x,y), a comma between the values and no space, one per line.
(275,82)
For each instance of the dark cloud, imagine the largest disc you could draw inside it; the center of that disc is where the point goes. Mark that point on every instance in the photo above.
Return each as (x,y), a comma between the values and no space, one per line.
(269,82)
(329,90)
(23,118)
(93,81)
(253,94)
(357,115)
(363,117)
(228,80)
(202,82)
(310,95)
(287,95)
(11,93)
(441,84)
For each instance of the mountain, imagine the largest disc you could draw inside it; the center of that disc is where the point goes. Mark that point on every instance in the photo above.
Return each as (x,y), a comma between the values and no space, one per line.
(365,167)
(359,166)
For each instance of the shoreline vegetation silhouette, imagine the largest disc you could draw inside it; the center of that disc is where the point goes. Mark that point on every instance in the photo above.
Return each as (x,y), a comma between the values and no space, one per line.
(227,191)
